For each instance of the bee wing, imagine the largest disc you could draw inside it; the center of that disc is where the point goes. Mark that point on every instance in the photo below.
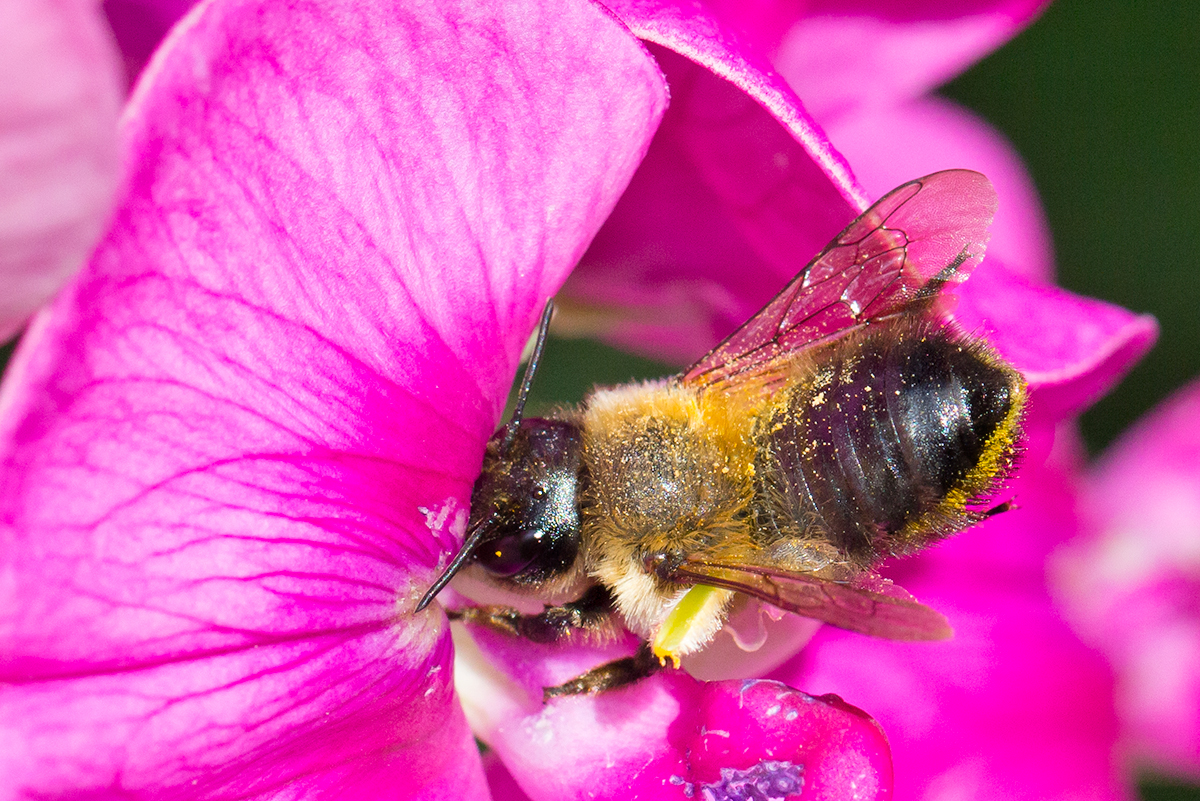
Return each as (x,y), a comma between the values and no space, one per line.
(907,247)
(867,604)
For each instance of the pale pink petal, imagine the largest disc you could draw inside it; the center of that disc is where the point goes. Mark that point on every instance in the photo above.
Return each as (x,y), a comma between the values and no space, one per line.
(1133,582)
(233,451)
(669,736)
(845,57)
(894,144)
(60,92)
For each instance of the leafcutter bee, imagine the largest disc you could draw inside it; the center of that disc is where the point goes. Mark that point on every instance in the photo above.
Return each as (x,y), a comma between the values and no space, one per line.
(847,422)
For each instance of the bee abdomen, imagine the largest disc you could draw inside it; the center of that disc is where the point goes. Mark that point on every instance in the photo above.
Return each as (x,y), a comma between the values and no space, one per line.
(880,446)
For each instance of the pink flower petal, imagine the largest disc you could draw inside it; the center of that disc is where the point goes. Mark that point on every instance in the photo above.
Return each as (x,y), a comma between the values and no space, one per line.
(845,57)
(1133,581)
(696,33)
(233,451)
(740,188)
(669,736)
(501,783)
(1014,706)
(60,91)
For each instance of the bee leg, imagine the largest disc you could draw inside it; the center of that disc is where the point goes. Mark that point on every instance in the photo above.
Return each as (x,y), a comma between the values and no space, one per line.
(590,613)
(610,675)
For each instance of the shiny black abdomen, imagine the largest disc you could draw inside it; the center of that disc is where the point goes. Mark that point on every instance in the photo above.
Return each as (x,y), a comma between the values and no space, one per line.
(873,442)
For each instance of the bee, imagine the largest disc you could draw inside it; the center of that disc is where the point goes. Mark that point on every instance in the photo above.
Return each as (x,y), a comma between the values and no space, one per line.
(847,422)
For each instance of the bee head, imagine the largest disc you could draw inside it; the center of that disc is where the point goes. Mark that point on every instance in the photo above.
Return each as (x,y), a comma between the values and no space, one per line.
(525,504)
(524,527)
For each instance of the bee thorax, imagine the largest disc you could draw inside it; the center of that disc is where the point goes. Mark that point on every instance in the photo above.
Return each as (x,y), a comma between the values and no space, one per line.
(677,478)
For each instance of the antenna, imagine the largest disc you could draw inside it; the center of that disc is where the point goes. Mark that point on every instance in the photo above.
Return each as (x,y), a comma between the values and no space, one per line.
(475,534)
(468,548)
(510,432)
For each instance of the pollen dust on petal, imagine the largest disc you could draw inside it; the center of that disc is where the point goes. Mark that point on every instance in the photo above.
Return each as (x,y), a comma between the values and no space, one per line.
(447,518)
(447,522)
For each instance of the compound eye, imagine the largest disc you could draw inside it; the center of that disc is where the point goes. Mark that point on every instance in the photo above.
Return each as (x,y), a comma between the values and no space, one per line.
(512,554)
